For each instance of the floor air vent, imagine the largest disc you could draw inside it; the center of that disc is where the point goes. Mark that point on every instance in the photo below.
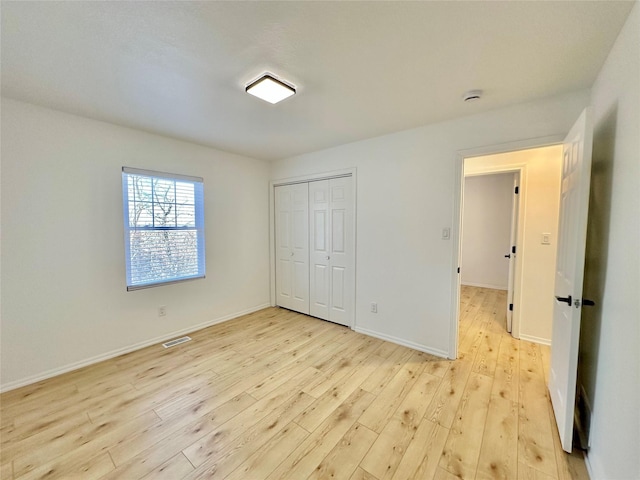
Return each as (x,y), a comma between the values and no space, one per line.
(177,341)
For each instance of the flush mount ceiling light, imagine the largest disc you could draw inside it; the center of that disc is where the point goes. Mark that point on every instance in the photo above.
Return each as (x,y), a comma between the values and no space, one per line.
(472,96)
(270,89)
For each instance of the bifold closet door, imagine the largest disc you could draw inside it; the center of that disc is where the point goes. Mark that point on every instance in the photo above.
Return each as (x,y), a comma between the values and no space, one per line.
(292,246)
(332,259)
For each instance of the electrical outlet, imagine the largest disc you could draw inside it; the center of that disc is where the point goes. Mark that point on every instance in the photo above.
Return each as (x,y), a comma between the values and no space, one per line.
(374,307)
(162,311)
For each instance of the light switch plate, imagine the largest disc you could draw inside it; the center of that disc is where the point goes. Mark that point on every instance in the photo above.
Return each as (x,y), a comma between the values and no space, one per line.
(546,239)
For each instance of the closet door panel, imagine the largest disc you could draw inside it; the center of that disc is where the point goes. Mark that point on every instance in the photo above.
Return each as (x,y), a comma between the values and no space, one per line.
(292,241)
(319,284)
(341,251)
(283,206)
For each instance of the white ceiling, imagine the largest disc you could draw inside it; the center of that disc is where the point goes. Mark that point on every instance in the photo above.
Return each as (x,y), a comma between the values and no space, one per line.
(362,68)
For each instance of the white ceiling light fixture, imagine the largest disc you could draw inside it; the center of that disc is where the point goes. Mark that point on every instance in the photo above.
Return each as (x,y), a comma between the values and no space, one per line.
(270,89)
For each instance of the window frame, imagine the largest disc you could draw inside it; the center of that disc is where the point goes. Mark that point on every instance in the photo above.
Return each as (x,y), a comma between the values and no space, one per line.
(199,226)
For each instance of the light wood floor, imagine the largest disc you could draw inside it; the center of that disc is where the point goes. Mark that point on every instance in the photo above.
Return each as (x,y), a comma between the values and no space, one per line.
(279,395)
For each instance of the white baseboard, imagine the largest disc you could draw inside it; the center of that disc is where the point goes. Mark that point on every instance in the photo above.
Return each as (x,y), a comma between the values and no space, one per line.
(531,338)
(484,285)
(121,351)
(404,343)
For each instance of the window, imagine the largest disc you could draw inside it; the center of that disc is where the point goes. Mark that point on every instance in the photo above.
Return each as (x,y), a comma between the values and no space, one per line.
(163,227)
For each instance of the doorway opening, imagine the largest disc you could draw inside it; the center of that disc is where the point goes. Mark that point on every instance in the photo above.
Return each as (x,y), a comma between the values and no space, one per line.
(489,244)
(507,240)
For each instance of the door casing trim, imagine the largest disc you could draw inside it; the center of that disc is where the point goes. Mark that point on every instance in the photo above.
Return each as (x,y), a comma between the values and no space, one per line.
(526,144)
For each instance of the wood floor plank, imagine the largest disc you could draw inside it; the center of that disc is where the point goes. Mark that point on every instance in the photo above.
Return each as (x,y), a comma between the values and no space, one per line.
(387,370)
(275,380)
(506,377)
(535,431)
(473,300)
(41,438)
(419,396)
(319,410)
(304,459)
(499,453)
(76,467)
(442,474)
(23,399)
(135,463)
(6,471)
(200,415)
(176,467)
(220,459)
(307,354)
(386,349)
(345,359)
(80,446)
(387,401)
(222,390)
(526,472)
(462,449)
(361,474)
(280,402)
(437,366)
(389,448)
(265,460)
(17,437)
(73,439)
(54,411)
(344,458)
(132,403)
(421,458)
(443,407)
(487,356)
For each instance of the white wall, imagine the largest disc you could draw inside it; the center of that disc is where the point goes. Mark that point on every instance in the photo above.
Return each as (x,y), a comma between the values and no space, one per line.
(609,366)
(64,298)
(486,230)
(406,184)
(540,197)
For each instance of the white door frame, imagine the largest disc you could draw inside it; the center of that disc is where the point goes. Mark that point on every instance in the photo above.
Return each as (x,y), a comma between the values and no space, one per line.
(347,172)
(457,220)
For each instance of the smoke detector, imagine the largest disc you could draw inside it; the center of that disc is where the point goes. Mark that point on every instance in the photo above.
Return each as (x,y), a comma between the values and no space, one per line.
(472,96)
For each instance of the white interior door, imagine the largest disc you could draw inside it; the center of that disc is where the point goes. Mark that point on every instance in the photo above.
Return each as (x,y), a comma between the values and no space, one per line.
(320,269)
(332,256)
(292,246)
(512,254)
(574,204)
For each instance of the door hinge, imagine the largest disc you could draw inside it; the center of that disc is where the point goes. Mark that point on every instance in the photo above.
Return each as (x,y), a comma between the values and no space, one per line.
(517,190)
(458,269)
(511,307)
(513,249)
